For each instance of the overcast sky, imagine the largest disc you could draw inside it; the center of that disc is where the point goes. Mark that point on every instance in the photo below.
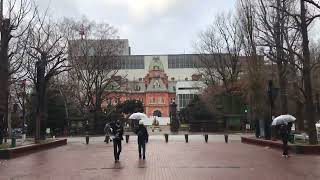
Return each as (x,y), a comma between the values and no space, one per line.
(152,26)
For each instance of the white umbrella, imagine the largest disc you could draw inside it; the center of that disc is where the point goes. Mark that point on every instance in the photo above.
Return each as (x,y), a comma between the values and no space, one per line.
(283,119)
(138,116)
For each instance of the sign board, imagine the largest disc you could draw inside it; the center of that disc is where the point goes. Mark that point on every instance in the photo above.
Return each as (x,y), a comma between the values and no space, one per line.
(48,130)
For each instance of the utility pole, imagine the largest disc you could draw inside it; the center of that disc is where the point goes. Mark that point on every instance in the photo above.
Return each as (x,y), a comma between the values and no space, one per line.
(3,80)
(23,84)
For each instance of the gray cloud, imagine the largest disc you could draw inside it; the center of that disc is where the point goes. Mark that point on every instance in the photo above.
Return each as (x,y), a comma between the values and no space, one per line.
(152,26)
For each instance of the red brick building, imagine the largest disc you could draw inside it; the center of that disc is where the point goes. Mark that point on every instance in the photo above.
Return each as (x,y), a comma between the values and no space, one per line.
(154,90)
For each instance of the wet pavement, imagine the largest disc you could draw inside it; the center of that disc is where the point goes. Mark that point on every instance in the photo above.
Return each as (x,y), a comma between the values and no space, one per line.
(174,160)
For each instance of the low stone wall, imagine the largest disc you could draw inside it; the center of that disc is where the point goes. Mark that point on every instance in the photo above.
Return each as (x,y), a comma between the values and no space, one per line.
(295,148)
(24,150)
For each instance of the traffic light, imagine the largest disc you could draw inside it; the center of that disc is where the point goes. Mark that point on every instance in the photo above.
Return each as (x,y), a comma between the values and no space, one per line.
(246,108)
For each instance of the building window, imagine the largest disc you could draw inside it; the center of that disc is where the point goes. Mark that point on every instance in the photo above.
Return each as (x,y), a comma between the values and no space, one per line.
(137,88)
(152,100)
(185,99)
(161,100)
(117,100)
(131,62)
(181,61)
(189,60)
(155,67)
(156,84)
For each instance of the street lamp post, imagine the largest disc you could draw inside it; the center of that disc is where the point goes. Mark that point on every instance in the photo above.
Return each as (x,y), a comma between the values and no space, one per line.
(272,93)
(23,84)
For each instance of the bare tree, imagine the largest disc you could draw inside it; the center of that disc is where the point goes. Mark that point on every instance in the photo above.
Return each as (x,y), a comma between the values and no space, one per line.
(307,64)
(93,54)
(276,34)
(255,71)
(308,11)
(46,53)
(13,26)
(219,47)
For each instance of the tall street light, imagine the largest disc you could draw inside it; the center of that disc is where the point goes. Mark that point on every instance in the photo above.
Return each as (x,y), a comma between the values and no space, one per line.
(23,86)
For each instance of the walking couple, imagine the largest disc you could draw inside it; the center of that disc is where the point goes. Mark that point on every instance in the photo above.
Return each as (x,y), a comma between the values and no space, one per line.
(116,131)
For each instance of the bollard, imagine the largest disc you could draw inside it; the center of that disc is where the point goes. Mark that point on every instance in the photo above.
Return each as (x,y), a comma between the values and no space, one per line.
(13,140)
(127,138)
(206,138)
(186,137)
(87,139)
(166,136)
(226,138)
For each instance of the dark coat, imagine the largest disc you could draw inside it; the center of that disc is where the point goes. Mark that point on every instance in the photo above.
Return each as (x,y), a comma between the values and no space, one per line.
(142,133)
(117,131)
(284,133)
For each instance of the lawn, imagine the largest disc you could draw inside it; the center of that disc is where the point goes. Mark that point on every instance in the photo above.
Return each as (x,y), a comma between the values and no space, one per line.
(4,146)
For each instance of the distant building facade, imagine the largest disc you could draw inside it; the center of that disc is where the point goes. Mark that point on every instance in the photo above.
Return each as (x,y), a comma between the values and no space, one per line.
(153,79)
(91,47)
(156,80)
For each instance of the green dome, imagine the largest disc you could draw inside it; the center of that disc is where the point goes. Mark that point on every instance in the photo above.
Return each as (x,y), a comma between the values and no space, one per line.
(156,64)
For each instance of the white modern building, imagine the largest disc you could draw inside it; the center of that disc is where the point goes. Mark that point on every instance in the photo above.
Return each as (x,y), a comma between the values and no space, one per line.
(186,91)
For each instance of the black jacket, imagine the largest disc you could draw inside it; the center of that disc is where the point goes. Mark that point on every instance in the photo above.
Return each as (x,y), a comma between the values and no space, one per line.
(284,132)
(142,133)
(117,131)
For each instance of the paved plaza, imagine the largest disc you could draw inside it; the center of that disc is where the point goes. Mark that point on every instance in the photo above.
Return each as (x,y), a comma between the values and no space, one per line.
(174,160)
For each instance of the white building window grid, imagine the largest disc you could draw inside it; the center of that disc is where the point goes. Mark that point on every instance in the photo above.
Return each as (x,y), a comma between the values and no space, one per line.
(185,99)
(131,62)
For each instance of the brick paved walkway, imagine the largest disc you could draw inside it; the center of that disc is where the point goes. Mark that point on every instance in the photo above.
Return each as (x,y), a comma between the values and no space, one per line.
(175,160)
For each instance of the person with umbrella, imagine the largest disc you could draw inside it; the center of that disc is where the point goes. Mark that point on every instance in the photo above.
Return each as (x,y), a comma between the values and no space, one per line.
(135,117)
(284,136)
(117,132)
(283,121)
(143,136)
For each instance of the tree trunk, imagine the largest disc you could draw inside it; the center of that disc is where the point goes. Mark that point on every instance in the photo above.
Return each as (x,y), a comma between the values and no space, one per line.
(41,88)
(97,112)
(66,110)
(279,59)
(299,115)
(318,106)
(310,112)
(4,76)
(283,83)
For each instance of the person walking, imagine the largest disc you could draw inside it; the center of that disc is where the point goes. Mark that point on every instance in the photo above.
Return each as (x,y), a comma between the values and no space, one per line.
(117,132)
(143,137)
(107,131)
(284,133)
